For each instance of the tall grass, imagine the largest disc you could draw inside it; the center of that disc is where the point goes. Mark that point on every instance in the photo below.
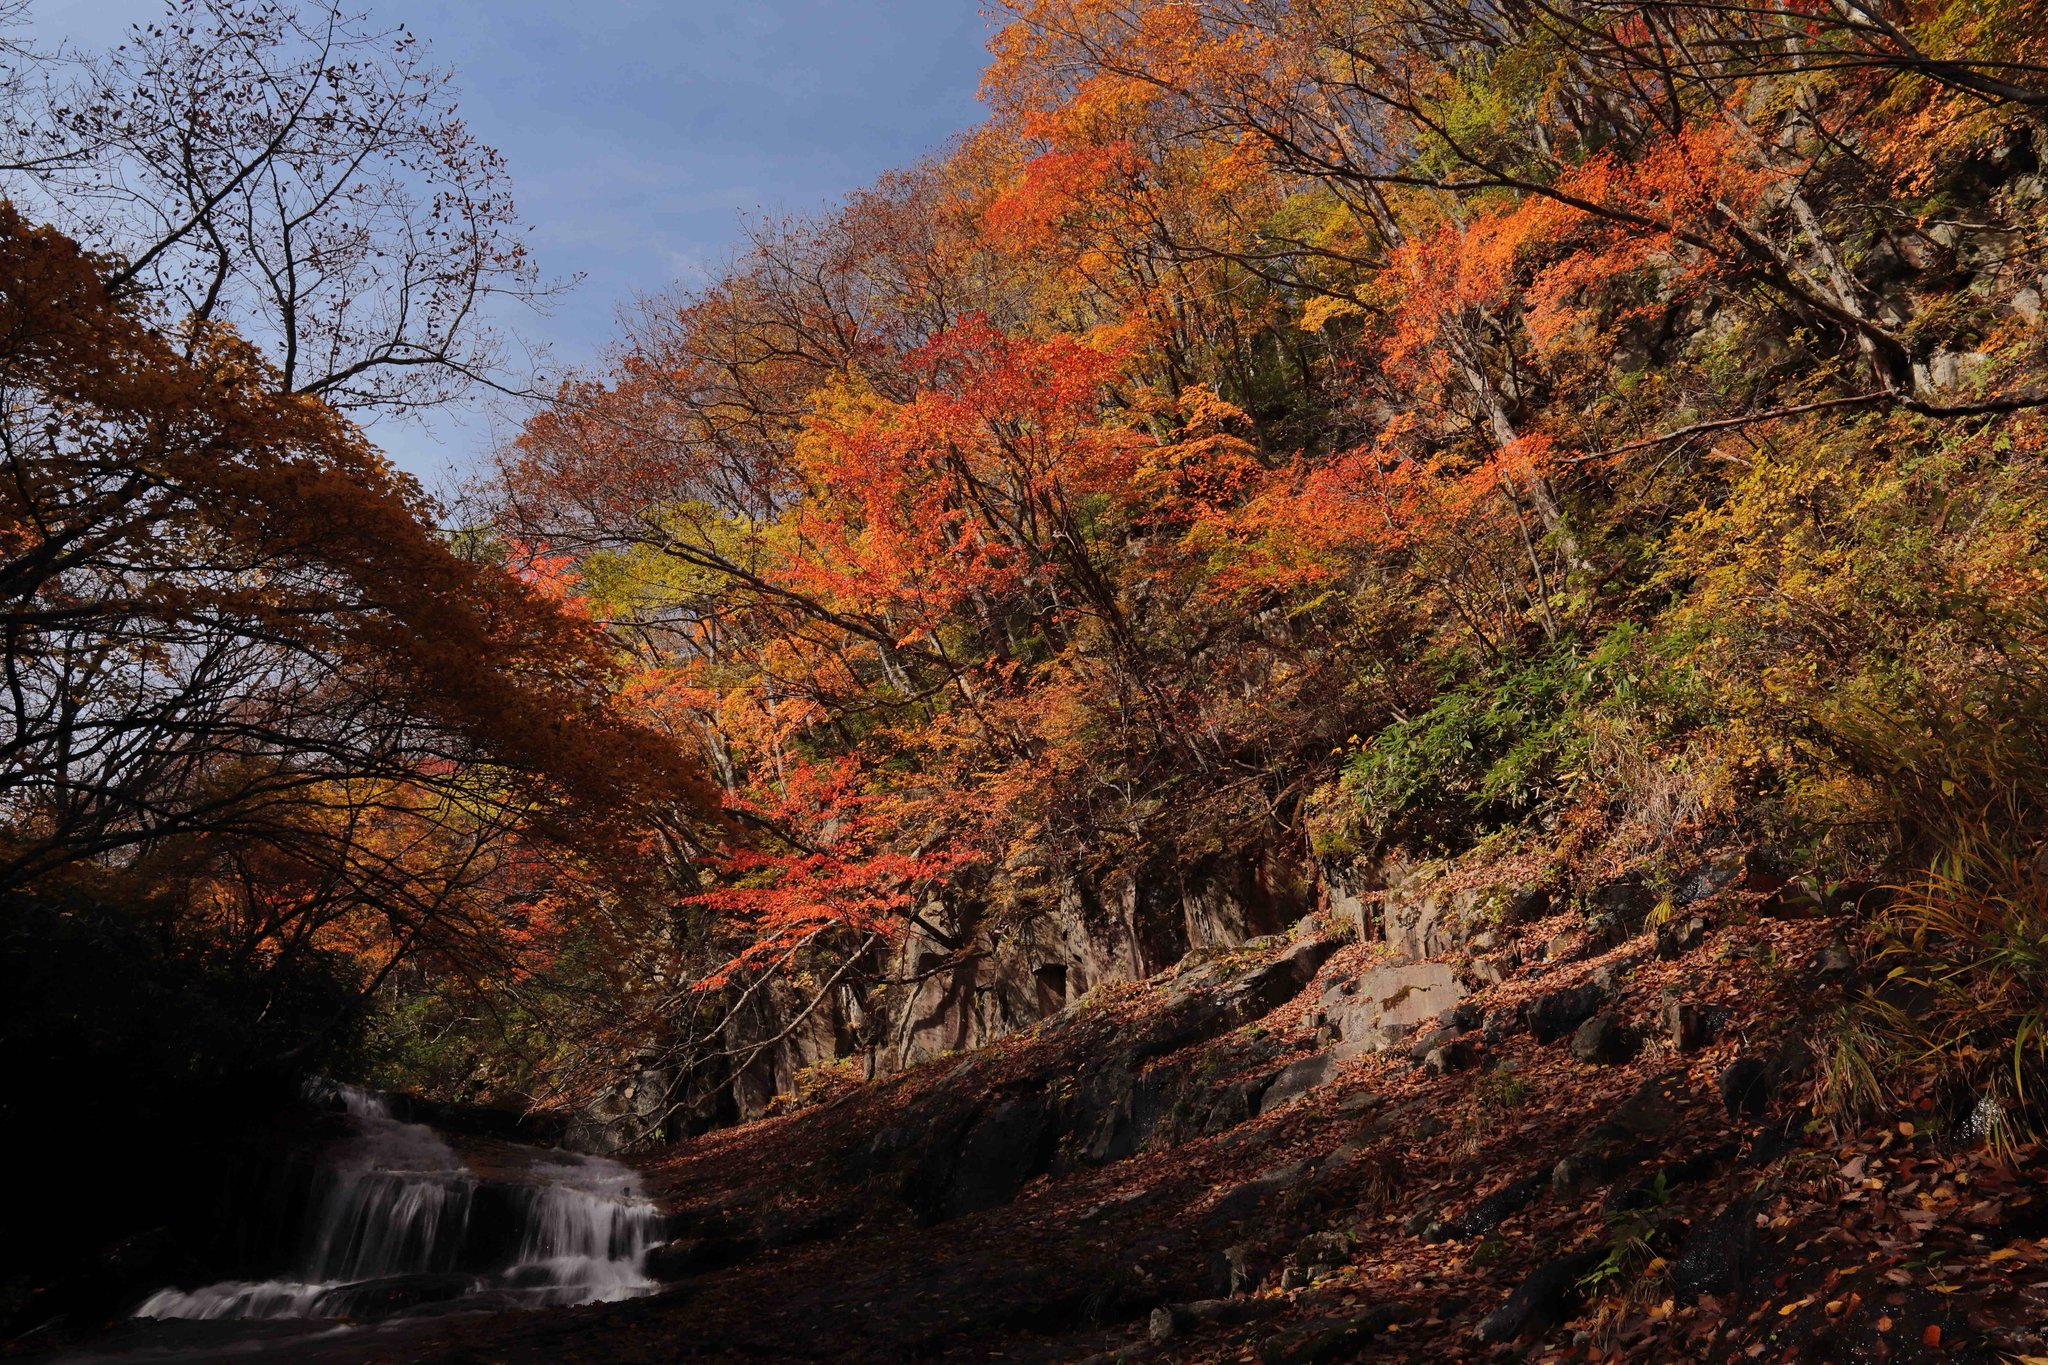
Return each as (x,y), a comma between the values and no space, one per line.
(1962,1007)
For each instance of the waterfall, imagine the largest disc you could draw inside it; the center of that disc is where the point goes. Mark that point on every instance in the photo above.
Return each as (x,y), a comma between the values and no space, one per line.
(398,1220)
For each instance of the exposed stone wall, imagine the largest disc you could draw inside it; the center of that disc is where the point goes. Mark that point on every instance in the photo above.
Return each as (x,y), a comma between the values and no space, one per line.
(961,978)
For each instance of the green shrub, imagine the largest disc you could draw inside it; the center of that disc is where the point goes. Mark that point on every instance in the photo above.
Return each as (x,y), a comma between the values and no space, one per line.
(1492,748)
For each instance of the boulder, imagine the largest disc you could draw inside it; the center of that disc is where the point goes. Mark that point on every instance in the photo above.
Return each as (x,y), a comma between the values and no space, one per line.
(1526,904)
(1116,1110)
(1189,1017)
(1432,923)
(1777,1140)
(393,1294)
(1227,901)
(1232,1104)
(1749,1083)
(1654,1190)
(1629,1135)
(1242,1199)
(1716,1254)
(1257,992)
(788,1227)
(1266,988)
(1319,1343)
(1462,1018)
(1653,1111)
(1359,1103)
(1297,1078)
(1603,929)
(1427,1042)
(1494,968)
(1794,1061)
(1308,954)
(1005,1147)
(1835,960)
(729,1220)
(1754,870)
(1593,1166)
(1859,898)
(935,1016)
(1603,1040)
(1235,1270)
(1496,1208)
(1550,1296)
(1732,868)
(1347,894)
(1746,1087)
(1178,1319)
(1676,938)
(1799,898)
(1688,1027)
(1627,900)
(1330,1247)
(1382,1007)
(1550,1017)
(1502,1021)
(687,1256)
(1098,938)
(1457,1054)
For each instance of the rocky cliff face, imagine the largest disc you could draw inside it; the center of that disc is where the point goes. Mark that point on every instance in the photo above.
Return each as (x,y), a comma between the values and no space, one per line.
(963,978)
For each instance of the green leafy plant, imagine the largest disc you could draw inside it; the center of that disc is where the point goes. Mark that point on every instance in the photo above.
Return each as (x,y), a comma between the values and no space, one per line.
(1490,748)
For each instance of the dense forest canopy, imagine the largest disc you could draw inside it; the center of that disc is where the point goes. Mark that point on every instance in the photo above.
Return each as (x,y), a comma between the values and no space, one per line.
(1329,429)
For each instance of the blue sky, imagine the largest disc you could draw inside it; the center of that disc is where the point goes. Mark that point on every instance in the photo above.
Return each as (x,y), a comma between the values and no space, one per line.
(640,132)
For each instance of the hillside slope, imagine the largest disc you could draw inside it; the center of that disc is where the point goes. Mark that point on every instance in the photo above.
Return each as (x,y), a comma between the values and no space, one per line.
(1609,1154)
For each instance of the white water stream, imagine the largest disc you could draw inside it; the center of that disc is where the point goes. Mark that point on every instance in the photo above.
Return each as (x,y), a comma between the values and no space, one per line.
(390,1226)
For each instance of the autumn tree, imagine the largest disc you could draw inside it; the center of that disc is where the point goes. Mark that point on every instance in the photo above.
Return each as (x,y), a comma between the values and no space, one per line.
(295,172)
(255,698)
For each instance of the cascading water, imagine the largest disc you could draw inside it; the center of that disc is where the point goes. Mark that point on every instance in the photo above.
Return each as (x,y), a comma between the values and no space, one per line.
(397,1219)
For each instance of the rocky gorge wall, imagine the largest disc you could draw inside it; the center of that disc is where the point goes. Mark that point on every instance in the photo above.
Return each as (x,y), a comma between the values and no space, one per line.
(963,978)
